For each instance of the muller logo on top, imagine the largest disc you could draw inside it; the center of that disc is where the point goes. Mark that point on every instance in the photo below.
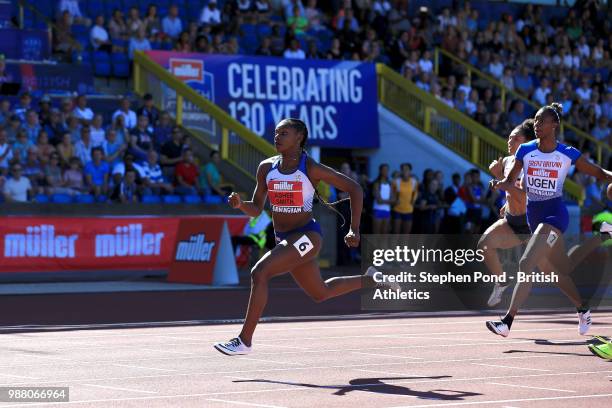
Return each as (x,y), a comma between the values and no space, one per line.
(187,69)
(285,186)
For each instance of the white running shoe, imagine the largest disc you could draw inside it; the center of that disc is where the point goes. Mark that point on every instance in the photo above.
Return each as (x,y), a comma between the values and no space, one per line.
(584,322)
(496,295)
(498,327)
(234,347)
(385,285)
(606,228)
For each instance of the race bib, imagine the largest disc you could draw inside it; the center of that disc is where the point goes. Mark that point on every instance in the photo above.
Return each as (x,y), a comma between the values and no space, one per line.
(285,195)
(303,245)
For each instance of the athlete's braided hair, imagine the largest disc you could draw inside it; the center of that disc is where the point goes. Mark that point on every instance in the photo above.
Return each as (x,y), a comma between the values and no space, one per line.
(300,127)
(555,110)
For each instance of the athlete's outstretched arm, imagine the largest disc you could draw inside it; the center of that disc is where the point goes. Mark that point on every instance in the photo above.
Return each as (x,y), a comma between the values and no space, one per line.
(585,166)
(343,183)
(254,207)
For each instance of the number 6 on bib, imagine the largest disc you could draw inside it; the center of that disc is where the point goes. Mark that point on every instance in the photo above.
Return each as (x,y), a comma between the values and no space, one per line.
(303,245)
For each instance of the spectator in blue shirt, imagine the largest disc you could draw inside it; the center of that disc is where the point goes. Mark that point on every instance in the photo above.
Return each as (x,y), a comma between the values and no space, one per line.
(523,82)
(113,148)
(172,24)
(32,126)
(139,42)
(96,173)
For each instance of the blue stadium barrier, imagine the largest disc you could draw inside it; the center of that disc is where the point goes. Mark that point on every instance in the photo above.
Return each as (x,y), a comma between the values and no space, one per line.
(213,199)
(171,199)
(61,199)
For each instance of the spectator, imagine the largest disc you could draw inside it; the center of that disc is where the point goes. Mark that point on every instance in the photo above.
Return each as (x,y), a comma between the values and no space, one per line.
(74,128)
(141,139)
(294,51)
(44,111)
(163,131)
(56,127)
(72,9)
(113,148)
(120,169)
(100,40)
(135,23)
(425,63)
(602,131)
(139,43)
(97,131)
(119,127)
(523,81)
(22,146)
(4,76)
(33,170)
(265,47)
(117,27)
(152,176)
(149,110)
(25,105)
(17,188)
(186,174)
(73,176)
(129,116)
(65,150)
(313,15)
(172,24)
(82,111)
(508,79)
(54,181)
(82,148)
(6,153)
(542,92)
(43,148)
(63,42)
(5,108)
(584,91)
(263,9)
(297,22)
(335,52)
(172,152)
(96,173)
(13,129)
(32,126)
(128,189)
(210,178)
(152,24)
(210,15)
(289,5)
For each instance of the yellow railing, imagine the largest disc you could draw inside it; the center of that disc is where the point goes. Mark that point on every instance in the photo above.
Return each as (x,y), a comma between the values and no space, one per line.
(205,120)
(448,126)
(602,149)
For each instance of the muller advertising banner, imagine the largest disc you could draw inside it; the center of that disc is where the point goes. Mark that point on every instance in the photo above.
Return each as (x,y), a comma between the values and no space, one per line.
(336,99)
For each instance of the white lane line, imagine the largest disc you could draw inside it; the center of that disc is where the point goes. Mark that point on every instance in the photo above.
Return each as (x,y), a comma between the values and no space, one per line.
(272,361)
(233,377)
(119,388)
(534,388)
(143,368)
(271,370)
(504,401)
(250,404)
(515,368)
(386,355)
(391,373)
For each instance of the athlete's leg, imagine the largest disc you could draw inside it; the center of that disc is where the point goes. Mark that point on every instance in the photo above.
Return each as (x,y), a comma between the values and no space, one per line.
(497,236)
(547,241)
(283,258)
(308,276)
(578,253)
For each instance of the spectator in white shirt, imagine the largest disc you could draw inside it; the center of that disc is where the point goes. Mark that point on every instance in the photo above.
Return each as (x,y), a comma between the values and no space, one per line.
(17,188)
(82,111)
(584,91)
(294,51)
(99,36)
(82,148)
(98,135)
(496,68)
(172,24)
(542,92)
(130,120)
(584,48)
(425,63)
(140,42)
(211,15)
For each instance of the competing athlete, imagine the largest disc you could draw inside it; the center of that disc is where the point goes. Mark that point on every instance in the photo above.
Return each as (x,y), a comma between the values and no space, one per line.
(545,163)
(510,230)
(288,181)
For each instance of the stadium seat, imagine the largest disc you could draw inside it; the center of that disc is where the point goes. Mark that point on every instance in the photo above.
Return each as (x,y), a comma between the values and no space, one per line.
(213,199)
(102,63)
(41,198)
(192,199)
(84,199)
(61,199)
(101,199)
(171,199)
(151,199)
(121,65)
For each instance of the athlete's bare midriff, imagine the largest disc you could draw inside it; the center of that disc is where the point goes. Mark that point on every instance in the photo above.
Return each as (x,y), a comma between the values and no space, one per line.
(516,202)
(288,222)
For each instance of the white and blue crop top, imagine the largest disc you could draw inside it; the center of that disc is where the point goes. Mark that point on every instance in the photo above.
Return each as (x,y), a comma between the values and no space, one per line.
(545,173)
(290,193)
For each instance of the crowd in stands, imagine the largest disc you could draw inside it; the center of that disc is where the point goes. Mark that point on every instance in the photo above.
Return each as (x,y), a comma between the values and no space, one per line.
(69,151)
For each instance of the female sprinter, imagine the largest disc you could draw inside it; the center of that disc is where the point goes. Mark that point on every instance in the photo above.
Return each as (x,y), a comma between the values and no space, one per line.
(288,180)
(545,163)
(506,232)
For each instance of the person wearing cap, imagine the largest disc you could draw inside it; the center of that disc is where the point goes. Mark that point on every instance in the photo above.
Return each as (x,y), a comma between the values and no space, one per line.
(210,15)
